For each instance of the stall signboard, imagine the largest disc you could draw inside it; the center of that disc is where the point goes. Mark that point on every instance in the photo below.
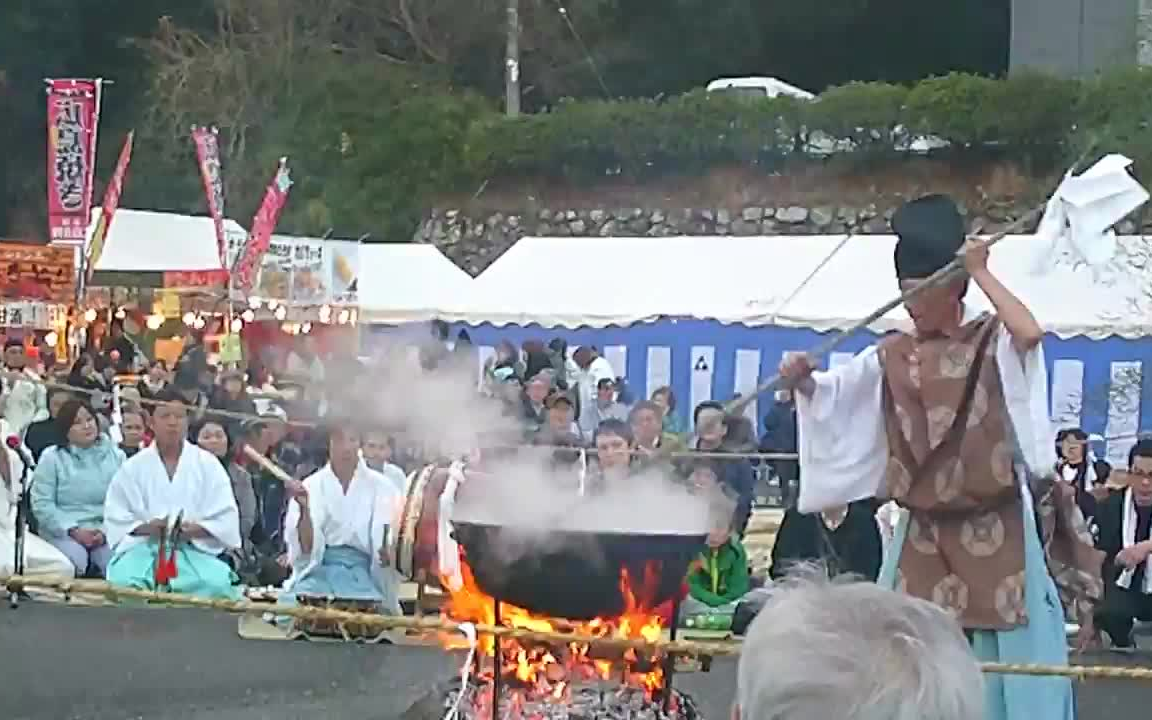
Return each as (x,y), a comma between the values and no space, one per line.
(310,276)
(32,315)
(274,280)
(309,271)
(37,272)
(345,272)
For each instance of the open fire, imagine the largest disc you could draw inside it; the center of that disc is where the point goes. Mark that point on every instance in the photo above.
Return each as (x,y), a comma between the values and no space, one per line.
(538,680)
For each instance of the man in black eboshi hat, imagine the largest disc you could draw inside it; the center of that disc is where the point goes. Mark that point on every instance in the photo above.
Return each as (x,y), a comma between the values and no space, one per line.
(949,419)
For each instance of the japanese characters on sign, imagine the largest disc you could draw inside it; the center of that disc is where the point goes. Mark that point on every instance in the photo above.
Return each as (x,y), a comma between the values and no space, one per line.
(309,279)
(72,119)
(208,156)
(36,272)
(275,274)
(309,271)
(35,315)
(260,234)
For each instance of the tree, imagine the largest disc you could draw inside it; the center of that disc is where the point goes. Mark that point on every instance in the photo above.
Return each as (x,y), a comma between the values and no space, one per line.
(68,38)
(369,130)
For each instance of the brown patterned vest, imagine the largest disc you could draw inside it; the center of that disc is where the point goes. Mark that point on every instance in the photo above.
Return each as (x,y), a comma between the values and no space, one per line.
(951,464)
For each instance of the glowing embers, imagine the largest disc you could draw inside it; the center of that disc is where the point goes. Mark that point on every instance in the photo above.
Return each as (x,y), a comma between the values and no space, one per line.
(562,678)
(584,701)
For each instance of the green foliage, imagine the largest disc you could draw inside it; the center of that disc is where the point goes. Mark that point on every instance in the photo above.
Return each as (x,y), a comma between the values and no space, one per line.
(367,167)
(1041,121)
(866,114)
(375,166)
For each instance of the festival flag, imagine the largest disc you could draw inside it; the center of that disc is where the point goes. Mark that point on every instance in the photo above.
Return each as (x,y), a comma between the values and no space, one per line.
(73,115)
(208,157)
(260,234)
(108,209)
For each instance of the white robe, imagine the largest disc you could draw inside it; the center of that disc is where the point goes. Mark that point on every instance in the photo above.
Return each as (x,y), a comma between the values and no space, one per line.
(361,519)
(843,444)
(40,558)
(141,492)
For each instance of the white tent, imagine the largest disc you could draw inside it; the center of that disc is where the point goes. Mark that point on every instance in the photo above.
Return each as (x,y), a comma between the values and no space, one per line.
(1068,299)
(145,241)
(408,283)
(799,281)
(598,282)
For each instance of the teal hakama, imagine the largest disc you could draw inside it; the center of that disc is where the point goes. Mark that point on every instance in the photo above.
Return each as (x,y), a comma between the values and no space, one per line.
(345,573)
(198,573)
(349,527)
(200,492)
(1042,640)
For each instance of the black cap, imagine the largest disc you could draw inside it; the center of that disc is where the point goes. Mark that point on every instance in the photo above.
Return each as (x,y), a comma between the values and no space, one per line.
(930,231)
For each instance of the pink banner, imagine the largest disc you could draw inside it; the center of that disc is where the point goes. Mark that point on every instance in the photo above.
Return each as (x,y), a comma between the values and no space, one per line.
(208,157)
(260,234)
(73,113)
(108,209)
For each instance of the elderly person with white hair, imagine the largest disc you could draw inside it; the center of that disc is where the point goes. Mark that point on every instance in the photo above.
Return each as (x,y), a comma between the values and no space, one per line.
(855,651)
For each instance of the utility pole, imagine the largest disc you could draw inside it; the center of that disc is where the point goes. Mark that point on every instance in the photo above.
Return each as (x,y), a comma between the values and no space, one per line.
(512,61)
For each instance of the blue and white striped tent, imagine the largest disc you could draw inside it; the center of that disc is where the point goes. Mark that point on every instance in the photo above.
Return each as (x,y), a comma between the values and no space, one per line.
(712,316)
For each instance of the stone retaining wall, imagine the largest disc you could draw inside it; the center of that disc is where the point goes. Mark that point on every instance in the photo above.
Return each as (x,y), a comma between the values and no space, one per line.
(474,241)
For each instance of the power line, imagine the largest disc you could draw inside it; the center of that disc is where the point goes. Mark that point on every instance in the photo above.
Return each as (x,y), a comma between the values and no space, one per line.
(584,48)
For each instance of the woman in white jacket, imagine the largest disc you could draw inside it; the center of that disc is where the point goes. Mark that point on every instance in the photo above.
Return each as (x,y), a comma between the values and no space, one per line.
(40,558)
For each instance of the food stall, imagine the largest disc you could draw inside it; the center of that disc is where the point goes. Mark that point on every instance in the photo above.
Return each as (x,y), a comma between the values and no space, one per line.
(304,286)
(37,287)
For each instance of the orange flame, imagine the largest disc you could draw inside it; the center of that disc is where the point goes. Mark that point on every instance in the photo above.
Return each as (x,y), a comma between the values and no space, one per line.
(536,668)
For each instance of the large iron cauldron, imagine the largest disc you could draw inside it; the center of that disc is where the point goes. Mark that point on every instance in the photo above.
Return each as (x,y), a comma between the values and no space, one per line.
(576,574)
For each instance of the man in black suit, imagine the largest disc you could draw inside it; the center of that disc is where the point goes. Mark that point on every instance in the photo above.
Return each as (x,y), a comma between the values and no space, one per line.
(1125,523)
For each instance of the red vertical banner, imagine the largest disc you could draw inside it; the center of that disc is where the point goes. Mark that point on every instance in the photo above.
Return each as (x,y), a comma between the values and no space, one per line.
(108,209)
(208,157)
(73,114)
(260,234)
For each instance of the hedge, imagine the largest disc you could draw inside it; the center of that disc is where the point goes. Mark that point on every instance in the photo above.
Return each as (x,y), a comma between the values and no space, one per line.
(1041,121)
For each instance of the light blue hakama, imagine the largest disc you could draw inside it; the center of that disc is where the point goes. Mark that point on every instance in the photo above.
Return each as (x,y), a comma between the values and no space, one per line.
(197,572)
(1042,640)
(344,573)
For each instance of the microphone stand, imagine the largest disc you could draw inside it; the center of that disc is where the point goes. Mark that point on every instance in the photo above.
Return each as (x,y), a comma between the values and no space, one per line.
(22,512)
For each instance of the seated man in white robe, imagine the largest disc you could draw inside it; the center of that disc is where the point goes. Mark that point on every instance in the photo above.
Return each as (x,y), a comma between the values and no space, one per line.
(337,527)
(949,419)
(172,479)
(40,557)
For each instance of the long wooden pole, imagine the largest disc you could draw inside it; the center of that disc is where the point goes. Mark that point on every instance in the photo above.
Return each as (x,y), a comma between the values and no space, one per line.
(942,275)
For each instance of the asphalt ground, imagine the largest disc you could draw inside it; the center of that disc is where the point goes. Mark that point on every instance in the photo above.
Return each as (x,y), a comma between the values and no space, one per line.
(84,663)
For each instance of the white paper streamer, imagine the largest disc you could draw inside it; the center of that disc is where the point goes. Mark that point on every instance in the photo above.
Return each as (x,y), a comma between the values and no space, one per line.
(469,631)
(449,550)
(1079,217)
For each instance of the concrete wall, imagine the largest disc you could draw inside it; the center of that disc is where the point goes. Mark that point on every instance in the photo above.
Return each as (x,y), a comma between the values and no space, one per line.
(1074,37)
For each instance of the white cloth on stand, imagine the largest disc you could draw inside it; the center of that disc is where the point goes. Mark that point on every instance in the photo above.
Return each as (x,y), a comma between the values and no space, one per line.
(446,545)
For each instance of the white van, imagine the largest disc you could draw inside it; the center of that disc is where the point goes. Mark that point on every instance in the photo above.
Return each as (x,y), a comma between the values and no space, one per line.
(763,87)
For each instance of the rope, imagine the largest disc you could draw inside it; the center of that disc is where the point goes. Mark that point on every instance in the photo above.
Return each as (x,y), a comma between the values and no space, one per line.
(230,414)
(716,648)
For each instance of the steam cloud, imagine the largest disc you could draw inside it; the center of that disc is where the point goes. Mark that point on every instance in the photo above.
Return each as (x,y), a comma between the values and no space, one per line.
(441,412)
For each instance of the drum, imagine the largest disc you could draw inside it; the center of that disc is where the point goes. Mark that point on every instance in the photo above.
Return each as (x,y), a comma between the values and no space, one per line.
(414,546)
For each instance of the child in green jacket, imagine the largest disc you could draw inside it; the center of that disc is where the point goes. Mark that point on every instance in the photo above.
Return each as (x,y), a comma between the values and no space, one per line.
(719,576)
